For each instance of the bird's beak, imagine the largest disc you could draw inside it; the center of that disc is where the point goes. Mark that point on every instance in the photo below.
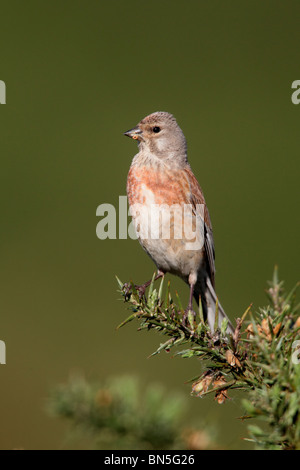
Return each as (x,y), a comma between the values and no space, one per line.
(134,133)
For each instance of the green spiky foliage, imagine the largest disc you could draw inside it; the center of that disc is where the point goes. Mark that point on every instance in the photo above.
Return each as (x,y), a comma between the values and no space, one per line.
(261,358)
(121,413)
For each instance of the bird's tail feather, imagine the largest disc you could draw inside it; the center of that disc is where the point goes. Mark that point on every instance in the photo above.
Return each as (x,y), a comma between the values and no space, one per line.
(209,301)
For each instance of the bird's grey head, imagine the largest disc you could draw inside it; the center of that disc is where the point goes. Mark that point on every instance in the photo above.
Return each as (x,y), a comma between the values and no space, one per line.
(159,134)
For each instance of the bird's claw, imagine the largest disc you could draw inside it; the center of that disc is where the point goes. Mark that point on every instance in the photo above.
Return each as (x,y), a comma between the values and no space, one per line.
(127,289)
(186,318)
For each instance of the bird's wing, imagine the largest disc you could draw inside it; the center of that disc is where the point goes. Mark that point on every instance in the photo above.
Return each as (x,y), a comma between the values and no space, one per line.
(196,197)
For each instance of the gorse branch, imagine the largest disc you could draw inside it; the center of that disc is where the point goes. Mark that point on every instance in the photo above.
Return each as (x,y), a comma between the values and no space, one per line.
(259,358)
(121,413)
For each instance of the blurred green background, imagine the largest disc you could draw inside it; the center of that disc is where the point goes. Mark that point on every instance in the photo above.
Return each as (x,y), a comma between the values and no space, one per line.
(79,74)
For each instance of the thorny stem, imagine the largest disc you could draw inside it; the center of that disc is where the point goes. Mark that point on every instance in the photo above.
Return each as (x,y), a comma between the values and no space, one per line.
(256,358)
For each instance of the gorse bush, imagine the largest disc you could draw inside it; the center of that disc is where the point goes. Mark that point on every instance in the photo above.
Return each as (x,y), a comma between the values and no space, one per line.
(122,414)
(261,358)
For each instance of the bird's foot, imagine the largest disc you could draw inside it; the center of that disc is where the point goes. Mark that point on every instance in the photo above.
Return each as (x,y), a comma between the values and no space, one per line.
(189,316)
(127,289)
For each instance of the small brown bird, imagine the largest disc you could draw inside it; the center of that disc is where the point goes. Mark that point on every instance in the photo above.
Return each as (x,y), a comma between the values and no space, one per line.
(160,178)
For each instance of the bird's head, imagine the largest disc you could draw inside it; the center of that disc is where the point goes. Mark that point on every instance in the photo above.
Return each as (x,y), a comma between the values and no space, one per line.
(160,135)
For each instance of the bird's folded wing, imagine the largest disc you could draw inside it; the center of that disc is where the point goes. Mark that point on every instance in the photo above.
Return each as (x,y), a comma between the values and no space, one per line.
(196,197)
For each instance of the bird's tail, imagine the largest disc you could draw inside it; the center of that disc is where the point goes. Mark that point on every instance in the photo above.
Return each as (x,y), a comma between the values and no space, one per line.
(209,301)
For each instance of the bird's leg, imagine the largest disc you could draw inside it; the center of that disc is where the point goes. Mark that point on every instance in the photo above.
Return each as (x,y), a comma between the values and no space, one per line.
(190,306)
(140,288)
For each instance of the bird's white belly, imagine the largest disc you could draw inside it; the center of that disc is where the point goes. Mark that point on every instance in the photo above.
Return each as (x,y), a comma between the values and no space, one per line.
(167,234)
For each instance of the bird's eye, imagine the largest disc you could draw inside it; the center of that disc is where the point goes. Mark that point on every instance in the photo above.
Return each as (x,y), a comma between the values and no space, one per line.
(156,129)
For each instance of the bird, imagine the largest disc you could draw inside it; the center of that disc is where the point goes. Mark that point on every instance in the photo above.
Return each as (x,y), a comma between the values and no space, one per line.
(161,183)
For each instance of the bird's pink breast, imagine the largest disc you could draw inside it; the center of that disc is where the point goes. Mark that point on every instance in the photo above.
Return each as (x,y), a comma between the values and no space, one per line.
(147,186)
(166,186)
